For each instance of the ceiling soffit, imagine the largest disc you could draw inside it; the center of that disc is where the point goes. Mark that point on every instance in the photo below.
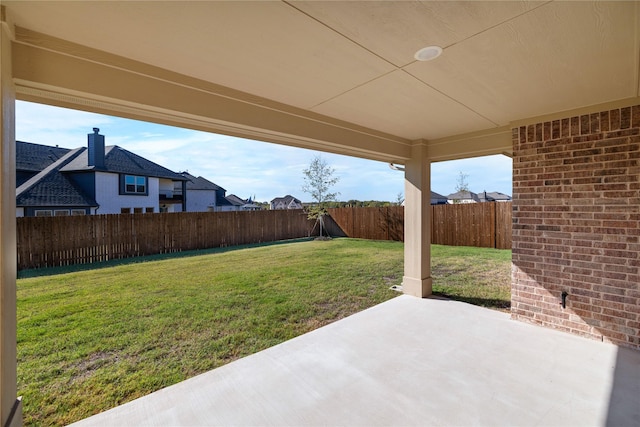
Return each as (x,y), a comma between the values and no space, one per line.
(353,61)
(268,49)
(405,106)
(396,30)
(554,58)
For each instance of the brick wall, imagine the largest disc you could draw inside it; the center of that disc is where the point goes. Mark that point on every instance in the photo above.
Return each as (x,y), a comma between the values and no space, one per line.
(576,225)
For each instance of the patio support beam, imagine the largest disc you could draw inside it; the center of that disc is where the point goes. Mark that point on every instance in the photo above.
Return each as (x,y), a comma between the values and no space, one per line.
(10,405)
(475,144)
(417,219)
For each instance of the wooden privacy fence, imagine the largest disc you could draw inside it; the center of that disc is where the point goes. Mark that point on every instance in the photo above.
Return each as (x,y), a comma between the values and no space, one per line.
(471,224)
(367,223)
(66,240)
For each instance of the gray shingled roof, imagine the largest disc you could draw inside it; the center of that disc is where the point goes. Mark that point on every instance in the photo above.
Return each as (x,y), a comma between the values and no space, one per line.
(119,160)
(221,200)
(50,187)
(200,183)
(286,199)
(235,200)
(493,196)
(496,195)
(36,157)
(464,195)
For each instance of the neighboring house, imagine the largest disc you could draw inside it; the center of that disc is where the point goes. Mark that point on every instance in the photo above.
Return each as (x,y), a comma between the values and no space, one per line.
(493,196)
(463,197)
(236,201)
(31,159)
(48,192)
(205,196)
(243,204)
(437,199)
(471,197)
(286,202)
(91,180)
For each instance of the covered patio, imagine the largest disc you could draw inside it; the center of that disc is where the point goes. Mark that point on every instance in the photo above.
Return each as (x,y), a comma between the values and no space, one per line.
(555,85)
(408,361)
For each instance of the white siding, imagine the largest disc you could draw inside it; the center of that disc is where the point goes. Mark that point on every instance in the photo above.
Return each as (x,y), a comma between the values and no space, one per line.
(111,201)
(201,200)
(19,212)
(171,208)
(462,201)
(165,187)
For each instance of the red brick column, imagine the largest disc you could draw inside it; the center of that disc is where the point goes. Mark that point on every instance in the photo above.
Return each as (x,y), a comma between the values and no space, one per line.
(576,225)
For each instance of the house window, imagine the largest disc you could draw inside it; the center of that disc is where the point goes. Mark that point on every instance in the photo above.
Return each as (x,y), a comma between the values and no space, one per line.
(42,212)
(125,210)
(78,212)
(61,212)
(134,184)
(137,210)
(149,210)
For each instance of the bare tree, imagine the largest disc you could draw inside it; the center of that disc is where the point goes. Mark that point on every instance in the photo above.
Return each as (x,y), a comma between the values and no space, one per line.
(399,199)
(462,184)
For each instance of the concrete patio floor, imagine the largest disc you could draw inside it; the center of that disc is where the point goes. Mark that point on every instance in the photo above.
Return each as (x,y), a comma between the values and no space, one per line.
(408,361)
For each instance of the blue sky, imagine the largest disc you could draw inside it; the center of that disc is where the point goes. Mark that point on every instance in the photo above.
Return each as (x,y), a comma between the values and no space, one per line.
(245,167)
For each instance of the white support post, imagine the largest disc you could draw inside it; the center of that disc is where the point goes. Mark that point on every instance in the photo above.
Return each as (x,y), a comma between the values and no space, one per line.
(417,222)
(10,405)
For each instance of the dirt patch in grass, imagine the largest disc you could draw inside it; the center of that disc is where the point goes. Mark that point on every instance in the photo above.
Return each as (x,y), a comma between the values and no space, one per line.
(86,367)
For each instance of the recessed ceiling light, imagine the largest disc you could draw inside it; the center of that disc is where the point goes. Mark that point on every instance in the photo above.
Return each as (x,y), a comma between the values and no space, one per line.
(428,53)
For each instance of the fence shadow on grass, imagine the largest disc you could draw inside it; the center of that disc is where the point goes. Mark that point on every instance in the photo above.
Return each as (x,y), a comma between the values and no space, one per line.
(50,271)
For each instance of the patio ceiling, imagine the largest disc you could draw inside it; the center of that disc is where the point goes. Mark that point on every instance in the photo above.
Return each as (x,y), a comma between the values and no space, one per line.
(347,66)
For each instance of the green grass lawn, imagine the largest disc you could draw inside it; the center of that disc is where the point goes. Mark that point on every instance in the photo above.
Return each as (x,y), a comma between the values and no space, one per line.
(475,275)
(93,339)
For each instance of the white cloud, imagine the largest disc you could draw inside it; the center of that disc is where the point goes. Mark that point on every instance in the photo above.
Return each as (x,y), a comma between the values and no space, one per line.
(43,124)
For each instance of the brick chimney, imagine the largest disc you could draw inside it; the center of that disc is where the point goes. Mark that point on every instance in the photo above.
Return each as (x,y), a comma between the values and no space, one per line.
(96,149)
